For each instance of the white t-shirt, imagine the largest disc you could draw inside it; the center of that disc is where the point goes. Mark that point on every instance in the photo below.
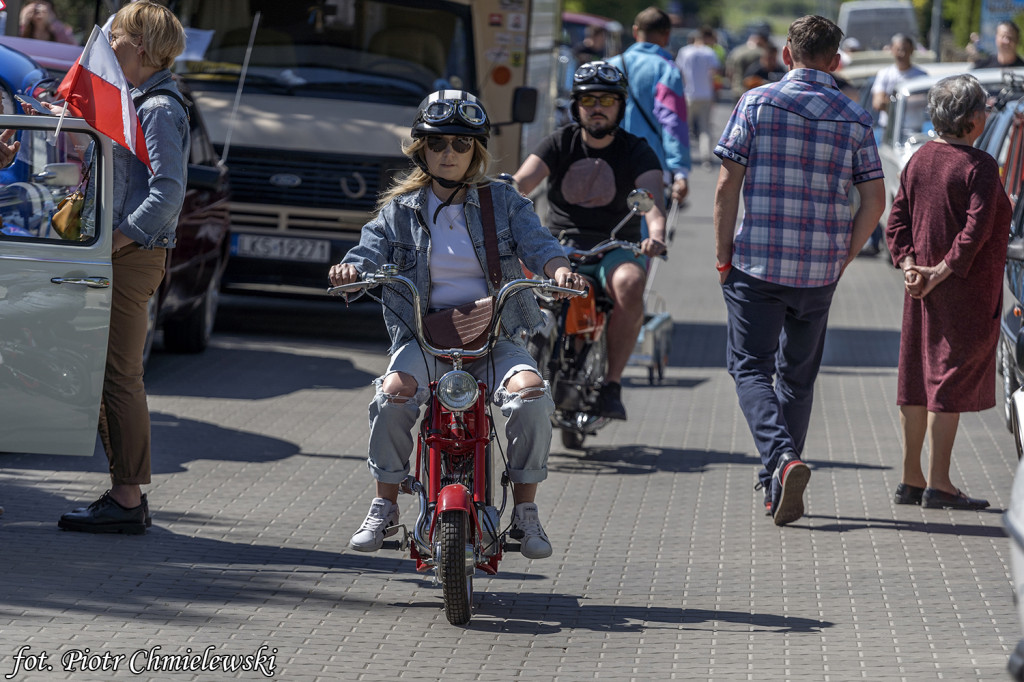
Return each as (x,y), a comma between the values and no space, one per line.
(890,78)
(698,63)
(456,276)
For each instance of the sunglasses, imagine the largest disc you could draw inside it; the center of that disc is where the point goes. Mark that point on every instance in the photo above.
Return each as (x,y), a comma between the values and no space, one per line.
(592,100)
(438,143)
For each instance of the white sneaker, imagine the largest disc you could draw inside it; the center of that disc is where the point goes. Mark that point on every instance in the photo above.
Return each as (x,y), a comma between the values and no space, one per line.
(381,522)
(526,528)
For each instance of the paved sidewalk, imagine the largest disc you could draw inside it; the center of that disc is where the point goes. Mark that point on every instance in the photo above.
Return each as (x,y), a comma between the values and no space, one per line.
(664,566)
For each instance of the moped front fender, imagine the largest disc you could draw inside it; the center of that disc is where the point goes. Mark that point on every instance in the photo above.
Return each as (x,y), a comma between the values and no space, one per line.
(454,497)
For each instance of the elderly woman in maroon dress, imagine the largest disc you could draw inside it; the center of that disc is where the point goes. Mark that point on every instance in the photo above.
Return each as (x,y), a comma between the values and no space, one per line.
(947,231)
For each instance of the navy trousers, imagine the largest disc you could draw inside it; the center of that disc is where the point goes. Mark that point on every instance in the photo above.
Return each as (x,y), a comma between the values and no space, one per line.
(776,335)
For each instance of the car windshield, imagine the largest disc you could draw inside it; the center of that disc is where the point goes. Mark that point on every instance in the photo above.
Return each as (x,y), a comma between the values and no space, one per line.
(916,123)
(340,49)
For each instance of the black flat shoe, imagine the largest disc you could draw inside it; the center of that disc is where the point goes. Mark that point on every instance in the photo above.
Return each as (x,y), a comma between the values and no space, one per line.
(105,515)
(145,511)
(937,499)
(908,494)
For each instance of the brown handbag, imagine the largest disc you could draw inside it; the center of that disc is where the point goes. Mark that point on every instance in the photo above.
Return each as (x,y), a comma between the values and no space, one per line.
(67,219)
(466,326)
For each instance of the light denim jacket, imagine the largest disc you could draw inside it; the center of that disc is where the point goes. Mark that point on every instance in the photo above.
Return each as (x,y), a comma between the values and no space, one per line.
(146,205)
(399,235)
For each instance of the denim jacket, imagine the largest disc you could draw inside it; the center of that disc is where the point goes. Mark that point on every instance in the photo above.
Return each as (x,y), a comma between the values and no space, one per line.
(399,235)
(146,205)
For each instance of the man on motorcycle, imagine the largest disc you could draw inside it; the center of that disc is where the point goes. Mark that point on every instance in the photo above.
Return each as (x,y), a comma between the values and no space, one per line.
(591,165)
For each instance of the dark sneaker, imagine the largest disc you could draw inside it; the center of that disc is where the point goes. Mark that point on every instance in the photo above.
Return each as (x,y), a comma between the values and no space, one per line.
(938,499)
(788,482)
(907,494)
(767,497)
(381,522)
(105,515)
(610,402)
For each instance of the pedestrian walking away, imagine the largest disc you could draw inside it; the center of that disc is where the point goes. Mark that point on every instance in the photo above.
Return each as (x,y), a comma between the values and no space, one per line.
(947,232)
(779,267)
(656,103)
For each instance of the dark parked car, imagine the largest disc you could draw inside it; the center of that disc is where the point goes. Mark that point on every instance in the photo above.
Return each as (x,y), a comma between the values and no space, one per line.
(186,305)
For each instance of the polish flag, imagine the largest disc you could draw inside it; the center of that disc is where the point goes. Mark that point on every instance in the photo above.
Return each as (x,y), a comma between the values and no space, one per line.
(95,89)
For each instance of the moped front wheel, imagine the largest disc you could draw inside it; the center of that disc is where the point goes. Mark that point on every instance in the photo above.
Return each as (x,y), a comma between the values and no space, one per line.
(456,567)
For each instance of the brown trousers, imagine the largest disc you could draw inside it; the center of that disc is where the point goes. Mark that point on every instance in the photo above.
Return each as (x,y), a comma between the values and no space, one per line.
(124,413)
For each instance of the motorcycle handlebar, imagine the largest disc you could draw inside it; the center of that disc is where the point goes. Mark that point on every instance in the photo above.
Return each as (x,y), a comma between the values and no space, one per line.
(388,274)
(580,254)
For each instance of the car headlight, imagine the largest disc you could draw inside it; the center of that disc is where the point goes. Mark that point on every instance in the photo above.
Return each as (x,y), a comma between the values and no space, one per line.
(457,390)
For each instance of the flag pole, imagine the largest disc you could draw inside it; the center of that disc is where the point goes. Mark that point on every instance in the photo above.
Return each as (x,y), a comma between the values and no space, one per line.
(238,90)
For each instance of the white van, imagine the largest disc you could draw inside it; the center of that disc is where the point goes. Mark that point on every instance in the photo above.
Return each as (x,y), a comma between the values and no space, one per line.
(875,22)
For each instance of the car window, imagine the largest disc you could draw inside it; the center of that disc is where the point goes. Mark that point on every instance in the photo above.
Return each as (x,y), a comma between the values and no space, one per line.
(45,172)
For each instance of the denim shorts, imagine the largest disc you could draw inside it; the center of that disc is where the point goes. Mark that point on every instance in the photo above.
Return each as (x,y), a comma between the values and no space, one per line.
(602,270)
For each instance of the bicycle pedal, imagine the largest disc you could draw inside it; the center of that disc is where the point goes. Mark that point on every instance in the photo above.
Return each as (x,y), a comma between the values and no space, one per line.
(402,543)
(513,547)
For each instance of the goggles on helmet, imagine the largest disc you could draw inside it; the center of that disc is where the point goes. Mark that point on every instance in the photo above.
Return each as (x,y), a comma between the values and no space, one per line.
(606,73)
(442,111)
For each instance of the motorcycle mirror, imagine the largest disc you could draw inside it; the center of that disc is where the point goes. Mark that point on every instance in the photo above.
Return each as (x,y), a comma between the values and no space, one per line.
(640,200)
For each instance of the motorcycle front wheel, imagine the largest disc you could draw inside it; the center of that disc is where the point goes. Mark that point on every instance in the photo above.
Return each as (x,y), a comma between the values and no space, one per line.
(573,440)
(455,569)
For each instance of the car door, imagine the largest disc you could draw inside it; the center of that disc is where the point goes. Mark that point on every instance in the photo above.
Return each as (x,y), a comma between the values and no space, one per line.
(55,291)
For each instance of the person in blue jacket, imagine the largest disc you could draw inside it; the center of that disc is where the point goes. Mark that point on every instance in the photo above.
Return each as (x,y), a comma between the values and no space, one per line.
(656,105)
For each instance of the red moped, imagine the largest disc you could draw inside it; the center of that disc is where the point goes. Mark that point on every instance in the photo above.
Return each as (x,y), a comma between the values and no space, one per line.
(458,529)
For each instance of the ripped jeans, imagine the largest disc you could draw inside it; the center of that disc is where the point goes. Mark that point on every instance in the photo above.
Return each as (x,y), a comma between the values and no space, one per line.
(527,431)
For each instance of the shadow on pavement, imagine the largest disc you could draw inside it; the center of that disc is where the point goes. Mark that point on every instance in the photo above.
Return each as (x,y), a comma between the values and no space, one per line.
(548,613)
(230,373)
(641,459)
(843,524)
(703,345)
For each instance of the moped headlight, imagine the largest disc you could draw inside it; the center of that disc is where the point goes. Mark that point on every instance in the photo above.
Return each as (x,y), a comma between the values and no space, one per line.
(457,390)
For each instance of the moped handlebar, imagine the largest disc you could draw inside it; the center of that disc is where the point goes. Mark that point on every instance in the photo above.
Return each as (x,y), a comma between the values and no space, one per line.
(388,274)
(572,253)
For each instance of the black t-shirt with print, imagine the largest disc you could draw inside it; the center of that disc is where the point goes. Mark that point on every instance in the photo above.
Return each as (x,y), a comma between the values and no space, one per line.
(587,187)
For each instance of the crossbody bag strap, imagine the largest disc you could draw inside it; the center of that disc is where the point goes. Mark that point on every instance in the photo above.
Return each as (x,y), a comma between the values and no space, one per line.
(490,236)
(636,102)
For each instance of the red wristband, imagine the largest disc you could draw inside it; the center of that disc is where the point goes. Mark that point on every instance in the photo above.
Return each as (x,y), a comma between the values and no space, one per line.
(722,268)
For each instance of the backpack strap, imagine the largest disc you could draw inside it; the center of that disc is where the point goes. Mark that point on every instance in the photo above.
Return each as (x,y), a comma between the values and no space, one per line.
(490,235)
(137,101)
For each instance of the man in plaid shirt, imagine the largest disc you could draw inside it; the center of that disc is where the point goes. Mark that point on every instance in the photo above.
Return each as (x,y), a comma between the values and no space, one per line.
(793,150)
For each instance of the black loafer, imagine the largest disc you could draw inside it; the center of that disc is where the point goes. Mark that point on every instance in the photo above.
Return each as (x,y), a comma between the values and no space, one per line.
(908,494)
(105,515)
(938,499)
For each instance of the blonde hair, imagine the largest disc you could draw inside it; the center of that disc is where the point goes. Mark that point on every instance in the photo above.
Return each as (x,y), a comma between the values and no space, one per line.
(163,37)
(416,178)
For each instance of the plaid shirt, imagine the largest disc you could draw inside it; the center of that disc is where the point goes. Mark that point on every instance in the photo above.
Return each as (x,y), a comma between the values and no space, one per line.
(804,145)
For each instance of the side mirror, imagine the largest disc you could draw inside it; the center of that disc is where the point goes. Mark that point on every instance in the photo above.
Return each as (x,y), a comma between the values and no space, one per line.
(640,200)
(524,105)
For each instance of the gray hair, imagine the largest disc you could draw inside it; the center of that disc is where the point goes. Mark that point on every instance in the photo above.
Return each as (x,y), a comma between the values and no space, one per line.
(953,101)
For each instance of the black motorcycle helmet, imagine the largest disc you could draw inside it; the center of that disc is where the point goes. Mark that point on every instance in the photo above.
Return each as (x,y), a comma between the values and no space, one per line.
(598,77)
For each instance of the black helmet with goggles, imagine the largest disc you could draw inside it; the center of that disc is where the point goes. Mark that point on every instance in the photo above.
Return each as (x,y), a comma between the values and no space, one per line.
(599,77)
(451,112)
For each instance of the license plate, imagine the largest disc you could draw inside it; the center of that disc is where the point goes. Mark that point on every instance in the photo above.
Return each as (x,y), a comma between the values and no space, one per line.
(282,248)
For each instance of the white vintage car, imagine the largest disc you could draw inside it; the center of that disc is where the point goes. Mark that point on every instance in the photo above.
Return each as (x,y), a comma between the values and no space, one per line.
(910,125)
(55,291)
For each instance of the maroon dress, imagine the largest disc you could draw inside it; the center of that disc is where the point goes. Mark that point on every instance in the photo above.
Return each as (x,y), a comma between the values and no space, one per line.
(951,206)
